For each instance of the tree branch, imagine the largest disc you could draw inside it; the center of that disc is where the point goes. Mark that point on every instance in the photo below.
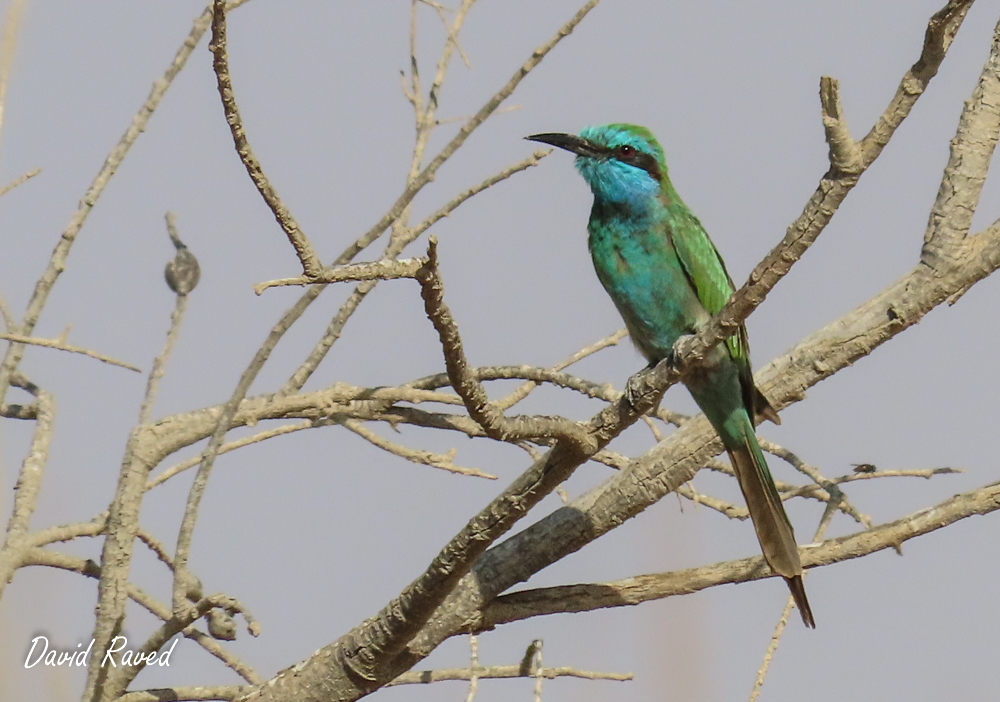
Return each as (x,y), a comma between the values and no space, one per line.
(57,262)
(674,461)
(630,591)
(311,265)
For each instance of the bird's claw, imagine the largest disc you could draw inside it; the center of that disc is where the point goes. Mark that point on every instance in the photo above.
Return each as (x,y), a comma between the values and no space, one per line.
(633,391)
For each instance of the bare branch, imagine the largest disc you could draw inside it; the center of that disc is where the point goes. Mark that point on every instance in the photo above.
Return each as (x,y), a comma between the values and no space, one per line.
(581,598)
(442,461)
(428,173)
(57,262)
(44,557)
(311,265)
(185,694)
(941,31)
(63,346)
(18,181)
(226,448)
(29,482)
(336,326)
(845,153)
(379,270)
(502,672)
(485,413)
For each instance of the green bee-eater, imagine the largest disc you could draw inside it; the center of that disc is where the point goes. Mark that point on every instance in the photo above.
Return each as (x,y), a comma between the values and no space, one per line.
(666,278)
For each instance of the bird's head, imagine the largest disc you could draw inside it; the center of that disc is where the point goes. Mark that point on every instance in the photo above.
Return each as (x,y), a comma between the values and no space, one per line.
(620,162)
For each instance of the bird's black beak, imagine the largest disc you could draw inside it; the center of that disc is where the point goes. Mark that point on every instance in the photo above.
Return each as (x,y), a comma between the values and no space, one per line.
(570,142)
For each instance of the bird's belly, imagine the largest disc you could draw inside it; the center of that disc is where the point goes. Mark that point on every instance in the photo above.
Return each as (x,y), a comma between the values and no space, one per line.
(650,290)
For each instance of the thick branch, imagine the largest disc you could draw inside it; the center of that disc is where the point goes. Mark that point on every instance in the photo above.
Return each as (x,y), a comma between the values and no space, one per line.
(642,588)
(675,460)
(29,483)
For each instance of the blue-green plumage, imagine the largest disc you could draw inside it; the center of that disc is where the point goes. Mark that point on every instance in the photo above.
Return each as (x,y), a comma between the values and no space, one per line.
(666,278)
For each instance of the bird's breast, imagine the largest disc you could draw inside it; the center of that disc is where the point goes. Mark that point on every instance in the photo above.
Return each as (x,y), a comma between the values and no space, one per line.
(638,266)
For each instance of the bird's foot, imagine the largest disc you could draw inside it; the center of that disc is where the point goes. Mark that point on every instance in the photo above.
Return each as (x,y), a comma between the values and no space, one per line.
(633,389)
(637,386)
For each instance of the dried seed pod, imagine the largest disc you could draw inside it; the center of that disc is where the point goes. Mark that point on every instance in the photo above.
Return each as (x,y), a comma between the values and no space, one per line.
(183,272)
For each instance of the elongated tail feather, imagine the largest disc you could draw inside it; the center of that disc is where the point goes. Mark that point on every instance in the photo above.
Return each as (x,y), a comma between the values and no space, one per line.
(774,531)
(798,588)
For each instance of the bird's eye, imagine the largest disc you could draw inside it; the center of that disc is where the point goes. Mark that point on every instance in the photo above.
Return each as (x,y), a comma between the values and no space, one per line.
(626,151)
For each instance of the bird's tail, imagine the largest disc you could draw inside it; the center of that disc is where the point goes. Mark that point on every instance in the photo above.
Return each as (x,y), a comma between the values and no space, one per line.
(774,531)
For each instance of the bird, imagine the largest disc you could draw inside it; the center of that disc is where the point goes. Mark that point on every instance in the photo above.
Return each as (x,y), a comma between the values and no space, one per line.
(665,276)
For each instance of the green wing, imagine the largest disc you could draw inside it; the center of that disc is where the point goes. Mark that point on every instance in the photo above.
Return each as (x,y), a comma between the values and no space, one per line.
(707,273)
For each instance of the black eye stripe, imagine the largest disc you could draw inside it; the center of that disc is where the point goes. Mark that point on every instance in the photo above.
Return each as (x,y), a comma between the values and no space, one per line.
(639,159)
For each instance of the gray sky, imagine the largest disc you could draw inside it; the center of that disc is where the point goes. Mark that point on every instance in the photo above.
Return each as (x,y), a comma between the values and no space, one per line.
(316,532)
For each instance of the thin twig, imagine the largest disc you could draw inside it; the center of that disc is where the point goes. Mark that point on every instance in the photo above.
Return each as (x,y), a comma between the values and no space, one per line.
(226,448)
(779,628)
(160,362)
(474,667)
(428,173)
(18,181)
(68,532)
(63,346)
(336,326)
(158,549)
(523,390)
(57,261)
(437,460)
(173,333)
(828,491)
(423,677)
